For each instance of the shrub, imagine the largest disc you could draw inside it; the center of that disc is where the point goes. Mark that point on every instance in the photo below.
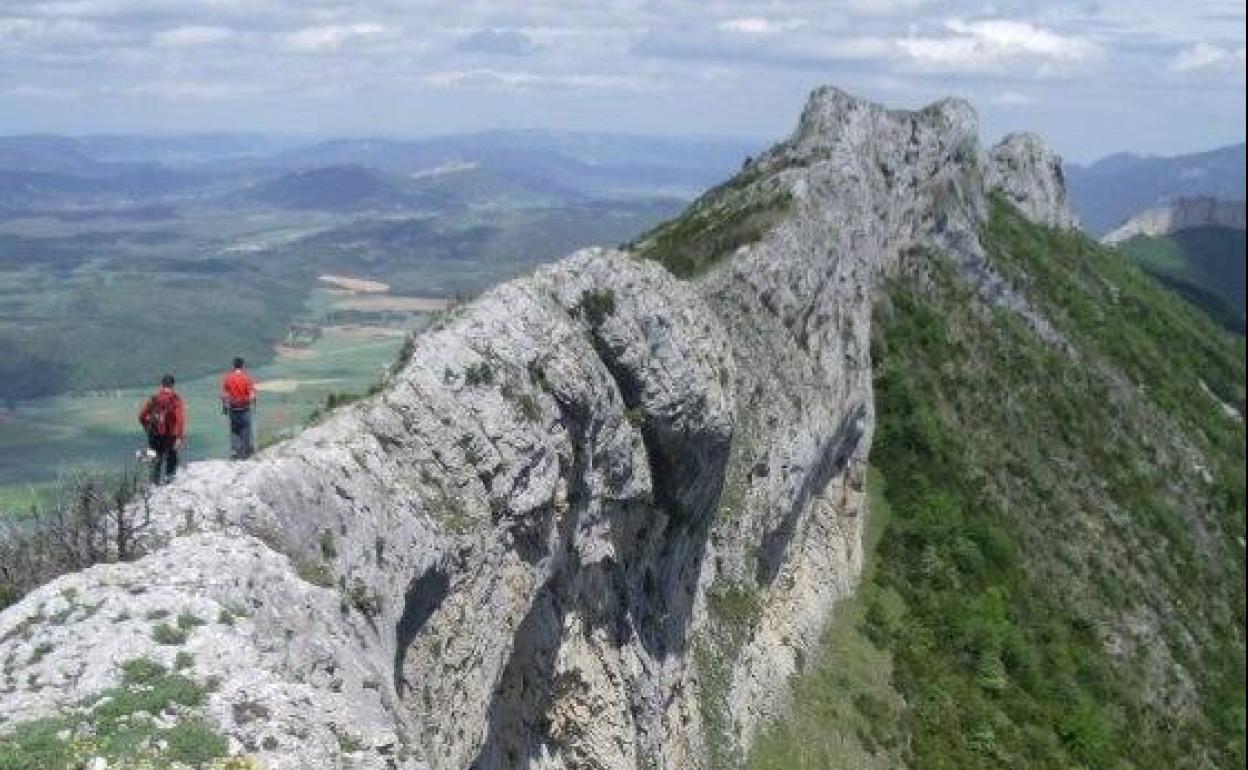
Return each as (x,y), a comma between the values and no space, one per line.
(313,572)
(326,541)
(165,633)
(714,227)
(597,305)
(116,725)
(480,373)
(405,355)
(92,518)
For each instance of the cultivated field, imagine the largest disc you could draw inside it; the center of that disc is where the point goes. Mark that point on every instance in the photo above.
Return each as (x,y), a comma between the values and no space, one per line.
(47,437)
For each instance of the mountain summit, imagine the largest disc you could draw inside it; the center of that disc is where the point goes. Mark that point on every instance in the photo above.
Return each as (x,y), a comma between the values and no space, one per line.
(598,516)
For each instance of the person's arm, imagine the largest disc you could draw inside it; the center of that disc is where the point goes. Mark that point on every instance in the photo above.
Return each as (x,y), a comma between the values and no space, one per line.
(145,412)
(179,421)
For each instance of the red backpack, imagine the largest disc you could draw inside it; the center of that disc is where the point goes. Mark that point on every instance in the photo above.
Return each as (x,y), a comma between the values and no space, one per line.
(160,413)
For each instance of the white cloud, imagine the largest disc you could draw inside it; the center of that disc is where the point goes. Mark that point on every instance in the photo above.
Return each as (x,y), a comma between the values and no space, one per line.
(992,45)
(659,59)
(191,90)
(517,79)
(1206,57)
(886,7)
(40,92)
(331,37)
(757,25)
(1011,99)
(191,35)
(50,32)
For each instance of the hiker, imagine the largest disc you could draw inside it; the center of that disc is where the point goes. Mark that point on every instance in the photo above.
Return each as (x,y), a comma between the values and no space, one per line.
(164,419)
(238,396)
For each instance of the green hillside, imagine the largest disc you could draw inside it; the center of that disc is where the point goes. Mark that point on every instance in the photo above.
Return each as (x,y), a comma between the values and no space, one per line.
(1203,264)
(1059,575)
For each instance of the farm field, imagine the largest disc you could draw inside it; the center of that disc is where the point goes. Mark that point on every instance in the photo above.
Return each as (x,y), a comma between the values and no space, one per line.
(310,261)
(45,438)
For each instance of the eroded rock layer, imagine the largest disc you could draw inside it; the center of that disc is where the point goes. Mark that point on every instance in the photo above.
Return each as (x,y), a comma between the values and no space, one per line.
(595,519)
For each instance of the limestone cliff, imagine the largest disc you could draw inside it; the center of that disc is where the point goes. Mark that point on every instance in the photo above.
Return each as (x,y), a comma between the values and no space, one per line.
(596,517)
(1182,214)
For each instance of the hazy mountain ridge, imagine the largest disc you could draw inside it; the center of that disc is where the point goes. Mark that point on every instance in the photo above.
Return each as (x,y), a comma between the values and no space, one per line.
(1108,192)
(85,169)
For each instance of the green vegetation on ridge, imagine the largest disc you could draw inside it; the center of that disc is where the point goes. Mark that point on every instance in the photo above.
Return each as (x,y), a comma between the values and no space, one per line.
(1060,582)
(723,220)
(119,725)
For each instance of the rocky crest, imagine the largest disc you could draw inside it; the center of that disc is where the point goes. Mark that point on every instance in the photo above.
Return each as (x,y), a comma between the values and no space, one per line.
(1030,175)
(1182,214)
(593,521)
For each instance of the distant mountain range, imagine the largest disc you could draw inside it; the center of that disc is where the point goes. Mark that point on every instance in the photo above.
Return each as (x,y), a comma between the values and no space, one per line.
(40,171)
(332,188)
(76,155)
(1111,190)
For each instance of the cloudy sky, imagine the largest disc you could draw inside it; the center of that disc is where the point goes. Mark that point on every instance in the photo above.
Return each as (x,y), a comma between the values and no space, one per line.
(1094,76)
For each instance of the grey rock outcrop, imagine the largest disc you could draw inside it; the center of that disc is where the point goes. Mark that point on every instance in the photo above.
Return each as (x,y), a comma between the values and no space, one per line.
(594,521)
(1030,175)
(1182,214)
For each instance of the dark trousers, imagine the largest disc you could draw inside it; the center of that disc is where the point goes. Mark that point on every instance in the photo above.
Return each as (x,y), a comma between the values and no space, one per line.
(240,433)
(165,466)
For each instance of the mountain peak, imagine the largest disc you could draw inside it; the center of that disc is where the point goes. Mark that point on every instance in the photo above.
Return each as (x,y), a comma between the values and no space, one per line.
(1029,173)
(1022,166)
(831,112)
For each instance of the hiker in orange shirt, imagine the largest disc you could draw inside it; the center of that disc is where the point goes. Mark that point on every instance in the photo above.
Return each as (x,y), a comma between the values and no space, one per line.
(164,419)
(238,396)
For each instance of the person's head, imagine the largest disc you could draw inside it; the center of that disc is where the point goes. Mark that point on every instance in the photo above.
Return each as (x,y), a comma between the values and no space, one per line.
(167,381)
(239,363)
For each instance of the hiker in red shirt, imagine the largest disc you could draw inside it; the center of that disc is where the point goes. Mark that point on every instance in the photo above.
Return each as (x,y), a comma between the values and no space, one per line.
(164,419)
(238,395)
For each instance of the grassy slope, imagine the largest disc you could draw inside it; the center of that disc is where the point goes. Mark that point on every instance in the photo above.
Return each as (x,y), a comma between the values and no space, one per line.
(1040,505)
(1204,264)
(736,213)
(845,708)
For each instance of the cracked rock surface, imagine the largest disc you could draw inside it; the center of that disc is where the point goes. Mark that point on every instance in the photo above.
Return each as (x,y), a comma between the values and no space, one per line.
(594,521)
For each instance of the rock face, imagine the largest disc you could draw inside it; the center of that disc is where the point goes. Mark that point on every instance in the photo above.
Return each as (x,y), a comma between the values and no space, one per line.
(1182,214)
(594,520)
(1030,175)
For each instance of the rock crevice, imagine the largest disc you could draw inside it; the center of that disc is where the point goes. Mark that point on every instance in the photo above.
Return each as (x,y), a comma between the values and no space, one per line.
(507,558)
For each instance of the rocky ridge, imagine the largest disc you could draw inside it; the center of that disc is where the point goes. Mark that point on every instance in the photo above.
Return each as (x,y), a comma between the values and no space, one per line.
(1181,214)
(595,517)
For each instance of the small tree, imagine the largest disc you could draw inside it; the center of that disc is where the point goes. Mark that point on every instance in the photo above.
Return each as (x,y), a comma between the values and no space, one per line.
(93,518)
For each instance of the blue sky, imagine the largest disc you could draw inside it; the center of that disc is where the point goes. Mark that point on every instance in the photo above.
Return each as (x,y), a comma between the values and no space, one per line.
(1093,76)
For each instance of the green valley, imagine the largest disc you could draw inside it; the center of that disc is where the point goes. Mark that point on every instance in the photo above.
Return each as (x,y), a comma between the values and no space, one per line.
(1203,264)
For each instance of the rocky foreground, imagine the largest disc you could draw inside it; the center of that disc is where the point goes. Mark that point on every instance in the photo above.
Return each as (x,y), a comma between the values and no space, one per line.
(527,550)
